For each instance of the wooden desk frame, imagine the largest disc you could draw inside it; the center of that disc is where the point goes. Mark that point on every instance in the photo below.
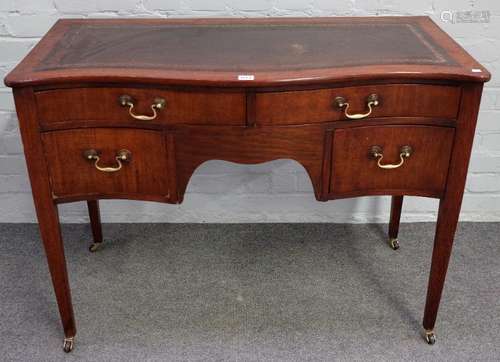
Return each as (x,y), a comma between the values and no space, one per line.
(253,141)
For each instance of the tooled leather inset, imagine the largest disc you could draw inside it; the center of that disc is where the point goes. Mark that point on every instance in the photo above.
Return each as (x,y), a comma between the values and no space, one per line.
(256,47)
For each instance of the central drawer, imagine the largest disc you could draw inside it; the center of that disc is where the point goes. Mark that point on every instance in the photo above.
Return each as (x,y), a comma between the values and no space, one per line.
(141,106)
(108,162)
(354,103)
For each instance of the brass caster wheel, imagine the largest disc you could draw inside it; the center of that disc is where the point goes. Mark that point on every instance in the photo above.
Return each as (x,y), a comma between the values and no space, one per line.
(394,243)
(94,247)
(430,337)
(68,344)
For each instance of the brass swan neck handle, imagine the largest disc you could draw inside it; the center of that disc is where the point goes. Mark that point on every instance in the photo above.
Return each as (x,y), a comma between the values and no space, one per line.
(404,153)
(127,101)
(371,101)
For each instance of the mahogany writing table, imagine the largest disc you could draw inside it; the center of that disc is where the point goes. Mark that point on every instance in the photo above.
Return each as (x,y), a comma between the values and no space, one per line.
(130,108)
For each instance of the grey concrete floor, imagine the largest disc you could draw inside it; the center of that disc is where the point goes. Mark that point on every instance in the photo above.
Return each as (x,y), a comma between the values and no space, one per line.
(251,292)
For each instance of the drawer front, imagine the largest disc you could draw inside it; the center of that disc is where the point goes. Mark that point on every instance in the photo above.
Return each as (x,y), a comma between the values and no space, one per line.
(73,166)
(390,160)
(322,105)
(108,104)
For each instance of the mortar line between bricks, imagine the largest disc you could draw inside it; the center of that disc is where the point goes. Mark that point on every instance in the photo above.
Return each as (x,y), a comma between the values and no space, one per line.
(20,39)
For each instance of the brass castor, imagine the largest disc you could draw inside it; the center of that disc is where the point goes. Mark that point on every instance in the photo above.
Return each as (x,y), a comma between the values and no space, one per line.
(68,344)
(394,243)
(94,247)
(430,337)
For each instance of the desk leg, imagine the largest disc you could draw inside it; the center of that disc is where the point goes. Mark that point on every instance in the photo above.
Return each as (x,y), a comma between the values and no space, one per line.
(396,206)
(50,231)
(449,210)
(95,223)
(46,209)
(450,203)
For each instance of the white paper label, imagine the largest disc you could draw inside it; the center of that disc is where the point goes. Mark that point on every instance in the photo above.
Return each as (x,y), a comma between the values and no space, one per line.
(476,70)
(246,77)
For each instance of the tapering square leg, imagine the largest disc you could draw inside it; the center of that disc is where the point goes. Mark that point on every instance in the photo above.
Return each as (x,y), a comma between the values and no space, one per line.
(450,204)
(54,249)
(396,206)
(46,210)
(445,230)
(95,223)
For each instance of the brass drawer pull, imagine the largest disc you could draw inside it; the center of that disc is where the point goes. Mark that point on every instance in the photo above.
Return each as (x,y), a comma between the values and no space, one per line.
(127,101)
(376,152)
(371,101)
(121,156)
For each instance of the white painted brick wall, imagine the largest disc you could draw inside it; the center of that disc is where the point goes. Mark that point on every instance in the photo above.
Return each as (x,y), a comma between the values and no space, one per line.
(276,191)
